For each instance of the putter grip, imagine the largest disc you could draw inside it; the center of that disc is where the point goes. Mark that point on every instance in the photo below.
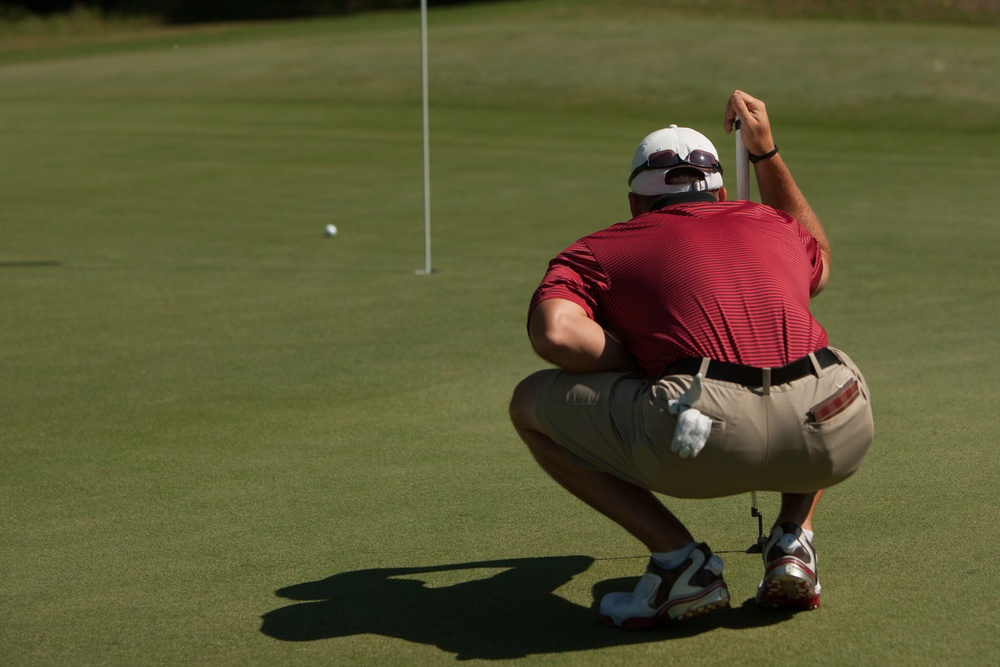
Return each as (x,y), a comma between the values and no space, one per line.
(742,166)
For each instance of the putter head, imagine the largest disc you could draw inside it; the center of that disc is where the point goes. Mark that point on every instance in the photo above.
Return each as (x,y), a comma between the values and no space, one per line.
(757,548)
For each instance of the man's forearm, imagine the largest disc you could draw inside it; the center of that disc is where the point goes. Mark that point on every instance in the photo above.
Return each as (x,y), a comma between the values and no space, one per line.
(777,187)
(607,356)
(779,190)
(563,335)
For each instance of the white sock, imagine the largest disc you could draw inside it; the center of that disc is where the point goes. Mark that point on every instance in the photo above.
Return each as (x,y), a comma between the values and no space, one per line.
(808,534)
(668,560)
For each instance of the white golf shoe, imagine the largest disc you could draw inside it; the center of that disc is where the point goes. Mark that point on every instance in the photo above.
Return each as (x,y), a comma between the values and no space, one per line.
(694,588)
(790,579)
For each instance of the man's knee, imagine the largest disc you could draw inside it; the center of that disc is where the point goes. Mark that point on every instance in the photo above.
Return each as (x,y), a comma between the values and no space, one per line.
(523,402)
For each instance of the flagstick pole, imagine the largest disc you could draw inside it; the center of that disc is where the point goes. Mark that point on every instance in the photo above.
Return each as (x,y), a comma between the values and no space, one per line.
(427,157)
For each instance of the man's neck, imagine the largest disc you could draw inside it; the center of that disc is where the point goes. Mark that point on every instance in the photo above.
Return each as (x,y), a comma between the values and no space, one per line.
(683,198)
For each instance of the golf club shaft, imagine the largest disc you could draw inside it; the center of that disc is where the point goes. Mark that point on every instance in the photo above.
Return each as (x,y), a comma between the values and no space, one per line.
(755,512)
(742,166)
(743,192)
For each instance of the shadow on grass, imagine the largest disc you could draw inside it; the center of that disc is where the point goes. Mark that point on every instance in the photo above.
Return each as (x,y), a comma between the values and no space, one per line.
(511,614)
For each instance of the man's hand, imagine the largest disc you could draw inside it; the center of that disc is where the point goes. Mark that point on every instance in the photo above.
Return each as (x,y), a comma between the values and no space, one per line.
(693,428)
(754,124)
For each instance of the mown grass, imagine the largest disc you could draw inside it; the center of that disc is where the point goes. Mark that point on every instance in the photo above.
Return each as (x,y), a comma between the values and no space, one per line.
(228,440)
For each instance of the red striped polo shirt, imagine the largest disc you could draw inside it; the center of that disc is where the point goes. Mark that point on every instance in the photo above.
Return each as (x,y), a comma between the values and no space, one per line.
(726,280)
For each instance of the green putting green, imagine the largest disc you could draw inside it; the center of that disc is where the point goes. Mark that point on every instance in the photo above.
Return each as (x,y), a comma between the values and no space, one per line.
(228,439)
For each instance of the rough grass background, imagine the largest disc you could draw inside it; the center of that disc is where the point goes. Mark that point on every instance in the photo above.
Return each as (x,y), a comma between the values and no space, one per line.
(973,12)
(225,439)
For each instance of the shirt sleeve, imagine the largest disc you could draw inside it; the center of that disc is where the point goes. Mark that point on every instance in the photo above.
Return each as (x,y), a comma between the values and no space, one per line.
(814,255)
(574,275)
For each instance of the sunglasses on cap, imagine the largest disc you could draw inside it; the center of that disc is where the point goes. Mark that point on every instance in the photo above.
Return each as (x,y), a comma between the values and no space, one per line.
(669,158)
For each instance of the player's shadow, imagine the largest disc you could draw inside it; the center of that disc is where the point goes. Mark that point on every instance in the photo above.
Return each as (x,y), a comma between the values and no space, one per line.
(510,614)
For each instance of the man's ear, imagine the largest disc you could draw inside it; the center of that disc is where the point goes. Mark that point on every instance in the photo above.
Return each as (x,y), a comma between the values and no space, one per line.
(722,193)
(635,204)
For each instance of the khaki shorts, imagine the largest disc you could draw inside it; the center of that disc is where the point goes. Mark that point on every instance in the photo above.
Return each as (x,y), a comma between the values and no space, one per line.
(619,423)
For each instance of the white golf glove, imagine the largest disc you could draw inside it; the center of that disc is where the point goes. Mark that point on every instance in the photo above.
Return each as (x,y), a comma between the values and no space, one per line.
(693,428)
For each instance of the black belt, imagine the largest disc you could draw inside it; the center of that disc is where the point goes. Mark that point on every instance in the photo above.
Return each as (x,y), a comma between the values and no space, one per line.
(752,376)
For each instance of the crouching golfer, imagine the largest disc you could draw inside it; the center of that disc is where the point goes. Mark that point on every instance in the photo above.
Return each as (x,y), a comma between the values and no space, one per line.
(689,364)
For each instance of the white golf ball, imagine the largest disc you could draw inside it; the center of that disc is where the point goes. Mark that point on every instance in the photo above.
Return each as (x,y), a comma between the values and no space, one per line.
(331,230)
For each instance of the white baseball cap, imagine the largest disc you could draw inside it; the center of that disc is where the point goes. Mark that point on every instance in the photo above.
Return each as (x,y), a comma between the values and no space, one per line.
(674,148)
